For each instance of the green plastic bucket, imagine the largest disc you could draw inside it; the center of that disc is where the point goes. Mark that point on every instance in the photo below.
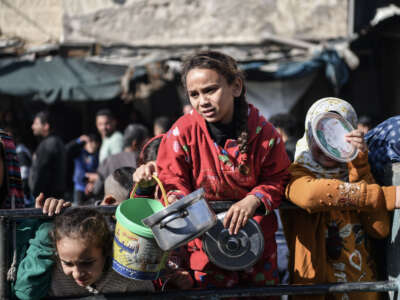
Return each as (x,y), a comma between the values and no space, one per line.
(136,254)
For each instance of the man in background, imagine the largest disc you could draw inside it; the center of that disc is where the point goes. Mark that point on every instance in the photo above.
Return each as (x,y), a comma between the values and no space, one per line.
(112,140)
(135,136)
(48,170)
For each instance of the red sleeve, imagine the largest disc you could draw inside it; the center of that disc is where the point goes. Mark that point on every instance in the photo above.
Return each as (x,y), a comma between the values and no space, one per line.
(173,164)
(274,174)
(158,283)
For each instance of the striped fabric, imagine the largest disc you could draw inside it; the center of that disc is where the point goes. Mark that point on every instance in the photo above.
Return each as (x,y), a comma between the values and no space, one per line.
(12,173)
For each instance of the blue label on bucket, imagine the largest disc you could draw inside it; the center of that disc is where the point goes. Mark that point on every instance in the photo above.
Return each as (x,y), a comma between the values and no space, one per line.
(134,274)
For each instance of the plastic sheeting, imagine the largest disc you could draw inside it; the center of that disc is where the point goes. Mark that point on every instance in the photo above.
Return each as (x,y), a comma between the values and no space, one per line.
(278,91)
(65,79)
(74,79)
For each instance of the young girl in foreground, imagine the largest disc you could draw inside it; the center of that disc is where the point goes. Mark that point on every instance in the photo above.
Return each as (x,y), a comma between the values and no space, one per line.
(83,245)
(328,240)
(226,147)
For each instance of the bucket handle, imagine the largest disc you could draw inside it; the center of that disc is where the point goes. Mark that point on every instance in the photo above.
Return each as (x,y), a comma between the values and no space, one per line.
(164,194)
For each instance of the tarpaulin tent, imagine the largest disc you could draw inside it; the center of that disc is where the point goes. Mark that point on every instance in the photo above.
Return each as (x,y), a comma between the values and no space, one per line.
(56,78)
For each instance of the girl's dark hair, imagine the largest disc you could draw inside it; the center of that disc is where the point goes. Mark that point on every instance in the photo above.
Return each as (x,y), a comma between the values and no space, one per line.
(86,224)
(150,150)
(227,67)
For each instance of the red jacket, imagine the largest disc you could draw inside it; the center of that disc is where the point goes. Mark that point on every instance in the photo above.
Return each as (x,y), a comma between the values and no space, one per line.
(188,159)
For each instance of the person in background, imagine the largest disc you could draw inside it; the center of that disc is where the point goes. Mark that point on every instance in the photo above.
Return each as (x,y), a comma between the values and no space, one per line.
(147,167)
(365,123)
(287,126)
(84,152)
(228,148)
(135,135)
(112,140)
(118,186)
(161,125)
(24,157)
(11,185)
(384,146)
(48,170)
(329,241)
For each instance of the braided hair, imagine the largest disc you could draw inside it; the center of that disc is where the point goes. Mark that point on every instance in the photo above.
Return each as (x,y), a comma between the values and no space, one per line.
(226,66)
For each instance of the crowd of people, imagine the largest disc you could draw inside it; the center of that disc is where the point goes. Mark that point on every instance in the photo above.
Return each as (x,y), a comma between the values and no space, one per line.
(224,145)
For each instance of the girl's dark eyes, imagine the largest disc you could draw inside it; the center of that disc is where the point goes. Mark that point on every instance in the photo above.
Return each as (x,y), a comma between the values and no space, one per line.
(68,264)
(87,263)
(84,263)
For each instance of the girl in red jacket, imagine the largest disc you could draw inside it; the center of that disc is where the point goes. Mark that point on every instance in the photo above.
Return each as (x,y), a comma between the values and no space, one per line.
(228,148)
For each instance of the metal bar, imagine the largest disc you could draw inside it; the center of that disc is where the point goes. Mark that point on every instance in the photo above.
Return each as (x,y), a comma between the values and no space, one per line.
(381,286)
(296,43)
(3,259)
(22,213)
(350,18)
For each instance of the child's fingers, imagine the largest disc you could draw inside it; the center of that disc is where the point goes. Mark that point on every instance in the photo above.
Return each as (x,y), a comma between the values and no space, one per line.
(148,173)
(52,206)
(171,199)
(39,201)
(355,133)
(239,222)
(59,206)
(46,205)
(227,218)
(245,219)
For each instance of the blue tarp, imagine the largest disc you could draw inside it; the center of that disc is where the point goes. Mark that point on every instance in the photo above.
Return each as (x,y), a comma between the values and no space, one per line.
(61,79)
(336,69)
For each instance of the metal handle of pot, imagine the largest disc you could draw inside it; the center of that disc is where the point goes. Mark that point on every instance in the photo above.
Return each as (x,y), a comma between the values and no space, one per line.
(164,194)
(171,217)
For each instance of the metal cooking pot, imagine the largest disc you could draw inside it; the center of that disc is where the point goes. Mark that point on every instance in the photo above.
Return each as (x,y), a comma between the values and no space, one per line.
(182,221)
(234,252)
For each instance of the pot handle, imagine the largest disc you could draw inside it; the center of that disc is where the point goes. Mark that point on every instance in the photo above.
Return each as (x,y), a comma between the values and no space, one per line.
(164,194)
(171,217)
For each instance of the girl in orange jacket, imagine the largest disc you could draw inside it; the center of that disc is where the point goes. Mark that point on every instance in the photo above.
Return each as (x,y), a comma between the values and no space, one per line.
(329,239)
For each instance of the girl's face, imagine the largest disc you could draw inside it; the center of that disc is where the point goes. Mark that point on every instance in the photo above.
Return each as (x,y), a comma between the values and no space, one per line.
(84,263)
(211,95)
(321,158)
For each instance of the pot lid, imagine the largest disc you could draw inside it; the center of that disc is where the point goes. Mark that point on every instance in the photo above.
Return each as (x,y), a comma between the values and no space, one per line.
(234,252)
(175,207)
(329,131)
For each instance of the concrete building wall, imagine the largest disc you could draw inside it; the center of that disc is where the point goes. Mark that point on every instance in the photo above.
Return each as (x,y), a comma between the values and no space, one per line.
(170,22)
(35,21)
(180,22)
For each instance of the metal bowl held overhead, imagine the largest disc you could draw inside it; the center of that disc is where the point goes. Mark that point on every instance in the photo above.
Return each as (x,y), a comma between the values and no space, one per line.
(329,130)
(234,252)
(182,221)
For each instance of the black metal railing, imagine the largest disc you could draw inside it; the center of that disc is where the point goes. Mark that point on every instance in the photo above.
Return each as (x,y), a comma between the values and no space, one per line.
(10,216)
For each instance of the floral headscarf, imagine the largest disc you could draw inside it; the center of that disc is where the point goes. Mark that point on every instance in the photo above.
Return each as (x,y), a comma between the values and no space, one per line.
(383,145)
(303,154)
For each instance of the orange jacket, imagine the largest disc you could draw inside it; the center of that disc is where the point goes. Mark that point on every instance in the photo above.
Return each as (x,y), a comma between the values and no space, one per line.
(326,240)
